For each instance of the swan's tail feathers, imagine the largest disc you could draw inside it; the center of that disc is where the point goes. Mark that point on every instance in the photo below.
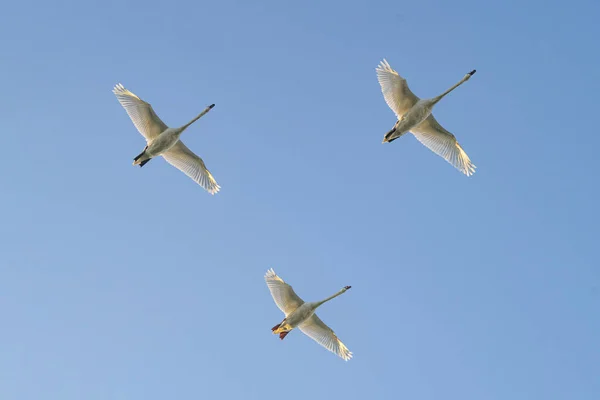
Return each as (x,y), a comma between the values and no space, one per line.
(139,160)
(275,327)
(391,136)
(282,335)
(141,154)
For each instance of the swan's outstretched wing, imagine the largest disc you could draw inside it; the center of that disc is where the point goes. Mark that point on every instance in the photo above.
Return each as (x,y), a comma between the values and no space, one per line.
(443,143)
(316,329)
(286,299)
(395,89)
(141,113)
(182,158)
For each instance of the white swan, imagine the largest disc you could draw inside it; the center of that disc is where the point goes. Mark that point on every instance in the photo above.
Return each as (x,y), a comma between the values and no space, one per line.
(164,141)
(302,315)
(415,115)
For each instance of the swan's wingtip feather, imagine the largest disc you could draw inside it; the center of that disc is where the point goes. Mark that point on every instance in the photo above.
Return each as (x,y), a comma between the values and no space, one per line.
(384,66)
(463,163)
(214,190)
(346,354)
(270,273)
(119,89)
(468,169)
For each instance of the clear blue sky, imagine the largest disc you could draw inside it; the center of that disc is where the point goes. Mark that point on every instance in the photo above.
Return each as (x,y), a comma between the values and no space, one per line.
(121,283)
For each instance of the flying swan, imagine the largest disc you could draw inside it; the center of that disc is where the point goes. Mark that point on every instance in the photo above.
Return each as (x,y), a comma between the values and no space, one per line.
(164,141)
(299,314)
(415,115)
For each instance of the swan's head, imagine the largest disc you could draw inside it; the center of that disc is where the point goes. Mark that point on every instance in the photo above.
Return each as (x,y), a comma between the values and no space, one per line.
(346,288)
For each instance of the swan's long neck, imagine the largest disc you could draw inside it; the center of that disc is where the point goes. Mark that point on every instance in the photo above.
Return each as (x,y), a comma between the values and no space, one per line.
(463,80)
(207,109)
(318,303)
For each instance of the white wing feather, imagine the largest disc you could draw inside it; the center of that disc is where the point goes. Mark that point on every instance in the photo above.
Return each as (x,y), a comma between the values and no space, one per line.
(443,143)
(395,89)
(286,299)
(182,158)
(316,329)
(141,113)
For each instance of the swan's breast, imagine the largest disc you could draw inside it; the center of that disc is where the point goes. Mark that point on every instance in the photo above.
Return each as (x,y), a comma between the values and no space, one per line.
(163,142)
(417,114)
(300,314)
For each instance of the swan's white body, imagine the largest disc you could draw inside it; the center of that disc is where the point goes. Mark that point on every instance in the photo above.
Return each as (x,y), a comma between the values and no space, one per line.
(299,314)
(164,141)
(415,115)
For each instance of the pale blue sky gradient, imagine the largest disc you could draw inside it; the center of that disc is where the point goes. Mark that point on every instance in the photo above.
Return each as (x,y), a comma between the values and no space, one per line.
(121,283)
